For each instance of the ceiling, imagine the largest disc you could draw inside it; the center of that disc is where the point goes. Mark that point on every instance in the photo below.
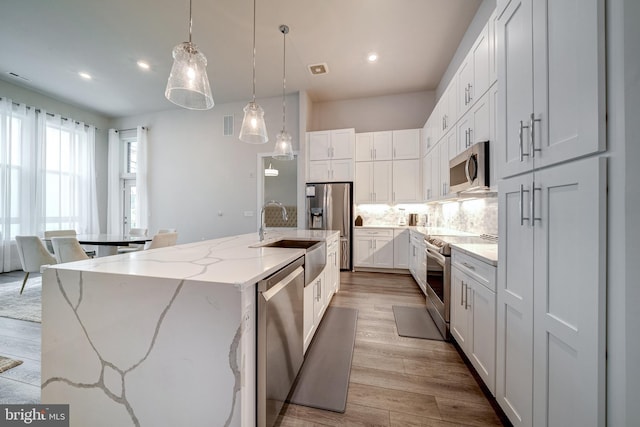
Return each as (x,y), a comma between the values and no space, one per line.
(46,43)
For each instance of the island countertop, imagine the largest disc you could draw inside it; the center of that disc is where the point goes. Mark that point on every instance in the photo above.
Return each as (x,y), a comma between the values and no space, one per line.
(235,260)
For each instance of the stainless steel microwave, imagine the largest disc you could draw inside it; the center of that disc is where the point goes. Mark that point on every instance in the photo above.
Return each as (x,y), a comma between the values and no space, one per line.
(469,170)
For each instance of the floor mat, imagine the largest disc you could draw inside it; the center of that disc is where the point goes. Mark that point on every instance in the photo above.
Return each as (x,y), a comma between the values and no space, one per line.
(415,322)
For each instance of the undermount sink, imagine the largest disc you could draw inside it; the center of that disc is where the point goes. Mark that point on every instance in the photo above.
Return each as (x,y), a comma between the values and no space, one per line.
(293,244)
(315,257)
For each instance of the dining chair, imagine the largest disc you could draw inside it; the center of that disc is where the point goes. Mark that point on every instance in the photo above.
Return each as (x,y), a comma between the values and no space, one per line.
(162,240)
(48,235)
(133,247)
(33,256)
(67,249)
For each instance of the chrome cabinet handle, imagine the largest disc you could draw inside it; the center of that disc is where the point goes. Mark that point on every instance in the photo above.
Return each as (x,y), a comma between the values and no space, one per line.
(533,204)
(522,218)
(466,95)
(462,294)
(375,154)
(532,122)
(521,140)
(394,153)
(371,155)
(470,137)
(470,86)
(469,266)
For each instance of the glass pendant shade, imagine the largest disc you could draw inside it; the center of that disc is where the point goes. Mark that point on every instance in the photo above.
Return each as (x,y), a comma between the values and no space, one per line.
(188,84)
(254,129)
(283,149)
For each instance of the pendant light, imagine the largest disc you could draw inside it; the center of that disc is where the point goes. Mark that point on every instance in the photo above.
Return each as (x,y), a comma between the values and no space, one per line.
(254,129)
(270,171)
(188,84)
(283,149)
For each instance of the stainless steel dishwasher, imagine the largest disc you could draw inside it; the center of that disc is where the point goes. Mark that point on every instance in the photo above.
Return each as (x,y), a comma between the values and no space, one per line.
(280,340)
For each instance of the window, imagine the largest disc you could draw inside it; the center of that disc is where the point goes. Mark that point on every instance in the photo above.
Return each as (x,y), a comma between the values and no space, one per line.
(12,166)
(129,193)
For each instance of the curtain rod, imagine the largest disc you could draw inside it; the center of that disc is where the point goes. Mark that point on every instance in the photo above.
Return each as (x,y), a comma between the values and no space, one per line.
(126,130)
(37,110)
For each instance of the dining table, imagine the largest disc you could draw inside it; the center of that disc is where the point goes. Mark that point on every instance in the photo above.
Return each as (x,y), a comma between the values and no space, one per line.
(107,244)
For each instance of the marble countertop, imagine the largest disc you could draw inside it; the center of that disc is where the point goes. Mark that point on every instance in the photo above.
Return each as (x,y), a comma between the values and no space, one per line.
(235,260)
(487,252)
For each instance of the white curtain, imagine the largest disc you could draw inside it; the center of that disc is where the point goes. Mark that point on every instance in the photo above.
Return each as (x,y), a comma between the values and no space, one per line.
(114,197)
(47,177)
(142,201)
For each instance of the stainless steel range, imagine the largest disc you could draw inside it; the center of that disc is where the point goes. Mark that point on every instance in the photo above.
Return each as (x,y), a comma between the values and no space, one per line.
(439,274)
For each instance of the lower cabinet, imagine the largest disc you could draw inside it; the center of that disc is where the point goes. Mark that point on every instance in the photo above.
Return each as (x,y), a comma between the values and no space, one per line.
(373,247)
(401,248)
(418,259)
(317,295)
(473,313)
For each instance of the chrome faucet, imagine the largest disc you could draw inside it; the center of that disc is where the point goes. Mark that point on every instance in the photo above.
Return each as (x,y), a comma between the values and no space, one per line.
(271,203)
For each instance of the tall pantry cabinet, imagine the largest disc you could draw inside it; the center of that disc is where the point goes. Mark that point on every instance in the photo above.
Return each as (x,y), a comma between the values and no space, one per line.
(550,355)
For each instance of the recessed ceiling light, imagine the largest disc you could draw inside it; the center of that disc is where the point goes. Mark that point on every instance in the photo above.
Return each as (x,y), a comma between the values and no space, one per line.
(373,57)
(84,75)
(143,65)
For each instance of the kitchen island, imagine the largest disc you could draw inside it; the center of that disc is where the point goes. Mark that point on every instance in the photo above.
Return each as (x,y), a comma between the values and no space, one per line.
(162,337)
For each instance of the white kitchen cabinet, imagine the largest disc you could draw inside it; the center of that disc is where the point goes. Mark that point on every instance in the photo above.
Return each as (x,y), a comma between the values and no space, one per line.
(373,182)
(331,144)
(494,143)
(473,313)
(373,247)
(333,267)
(431,174)
(330,170)
(474,126)
(551,70)
(552,229)
(493,50)
(401,248)
(374,146)
(473,74)
(448,150)
(429,132)
(406,144)
(418,260)
(407,181)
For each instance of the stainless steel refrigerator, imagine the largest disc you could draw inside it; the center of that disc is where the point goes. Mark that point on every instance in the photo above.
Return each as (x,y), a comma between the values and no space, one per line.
(330,207)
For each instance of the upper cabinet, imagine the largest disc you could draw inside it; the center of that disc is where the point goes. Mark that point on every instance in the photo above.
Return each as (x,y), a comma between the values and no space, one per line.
(551,67)
(330,155)
(388,145)
(473,74)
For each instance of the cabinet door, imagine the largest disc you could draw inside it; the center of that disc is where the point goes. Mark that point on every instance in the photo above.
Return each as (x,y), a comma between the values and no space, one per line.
(383,251)
(362,251)
(514,337)
(459,324)
(515,73)
(482,342)
(319,300)
(570,294)
(480,52)
(493,61)
(447,151)
(481,122)
(319,145)
(464,131)
(569,80)
(426,177)
(465,83)
(382,181)
(308,325)
(452,104)
(319,171)
(364,147)
(494,142)
(401,247)
(383,145)
(407,180)
(364,182)
(342,141)
(406,144)
(342,170)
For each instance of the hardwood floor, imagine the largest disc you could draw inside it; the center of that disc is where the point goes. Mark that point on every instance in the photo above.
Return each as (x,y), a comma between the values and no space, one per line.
(397,381)
(19,339)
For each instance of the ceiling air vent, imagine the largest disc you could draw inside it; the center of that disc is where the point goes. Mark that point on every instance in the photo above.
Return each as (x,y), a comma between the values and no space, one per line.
(318,69)
(227,126)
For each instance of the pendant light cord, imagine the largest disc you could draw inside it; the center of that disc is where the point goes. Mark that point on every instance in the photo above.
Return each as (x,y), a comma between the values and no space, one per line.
(190,21)
(254,51)
(284,29)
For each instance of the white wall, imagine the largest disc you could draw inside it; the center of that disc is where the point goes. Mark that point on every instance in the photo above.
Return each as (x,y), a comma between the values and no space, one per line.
(200,181)
(402,111)
(101,122)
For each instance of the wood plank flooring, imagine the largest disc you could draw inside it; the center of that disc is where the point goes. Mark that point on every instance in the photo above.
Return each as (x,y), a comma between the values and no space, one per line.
(397,381)
(19,339)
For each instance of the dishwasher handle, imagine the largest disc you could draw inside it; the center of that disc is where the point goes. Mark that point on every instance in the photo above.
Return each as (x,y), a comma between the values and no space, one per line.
(272,291)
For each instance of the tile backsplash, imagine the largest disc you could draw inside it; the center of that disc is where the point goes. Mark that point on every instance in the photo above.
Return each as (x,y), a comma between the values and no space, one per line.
(474,215)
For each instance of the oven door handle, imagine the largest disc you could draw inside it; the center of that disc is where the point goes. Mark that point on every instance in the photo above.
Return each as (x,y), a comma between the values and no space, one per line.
(441,259)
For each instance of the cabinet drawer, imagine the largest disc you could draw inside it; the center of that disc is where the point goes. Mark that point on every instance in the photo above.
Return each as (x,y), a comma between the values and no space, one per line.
(479,270)
(374,232)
